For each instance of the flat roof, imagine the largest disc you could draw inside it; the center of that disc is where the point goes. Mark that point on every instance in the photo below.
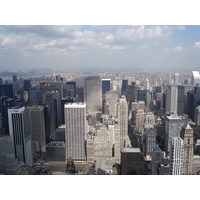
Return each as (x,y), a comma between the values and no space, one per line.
(131,150)
(195,73)
(75,105)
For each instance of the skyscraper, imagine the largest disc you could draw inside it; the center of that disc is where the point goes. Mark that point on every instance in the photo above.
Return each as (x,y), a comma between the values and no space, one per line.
(70,89)
(176,153)
(122,115)
(124,84)
(19,127)
(105,85)
(173,126)
(93,93)
(75,131)
(195,78)
(176,79)
(186,135)
(171,99)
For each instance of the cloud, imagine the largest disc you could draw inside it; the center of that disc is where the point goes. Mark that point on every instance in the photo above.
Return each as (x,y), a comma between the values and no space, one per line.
(175,49)
(196,45)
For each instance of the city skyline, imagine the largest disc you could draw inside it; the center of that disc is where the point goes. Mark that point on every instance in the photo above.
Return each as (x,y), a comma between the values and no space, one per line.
(94,47)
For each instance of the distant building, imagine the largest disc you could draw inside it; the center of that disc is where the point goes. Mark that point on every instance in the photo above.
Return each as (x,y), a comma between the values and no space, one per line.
(93,93)
(105,85)
(27,85)
(124,84)
(156,160)
(177,79)
(197,115)
(70,89)
(195,78)
(7,90)
(171,99)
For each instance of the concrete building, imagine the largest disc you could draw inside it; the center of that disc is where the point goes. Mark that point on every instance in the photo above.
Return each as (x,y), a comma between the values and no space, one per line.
(195,78)
(75,131)
(19,128)
(177,79)
(139,120)
(131,161)
(150,140)
(171,99)
(122,115)
(176,156)
(111,99)
(156,160)
(182,98)
(186,135)
(37,121)
(93,93)
(60,133)
(105,85)
(55,151)
(173,126)
(197,115)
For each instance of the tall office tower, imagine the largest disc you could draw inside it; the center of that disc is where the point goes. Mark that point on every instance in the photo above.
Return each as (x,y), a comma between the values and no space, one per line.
(124,84)
(93,94)
(182,98)
(159,98)
(176,153)
(147,84)
(131,94)
(171,99)
(170,79)
(176,79)
(56,86)
(63,102)
(186,135)
(105,85)
(150,118)
(139,120)
(115,85)
(7,90)
(75,131)
(1,81)
(197,115)
(36,114)
(5,103)
(115,141)
(33,97)
(150,140)
(51,99)
(131,161)
(142,95)
(27,85)
(102,146)
(14,78)
(9,165)
(70,89)
(156,160)
(79,94)
(190,104)
(122,115)
(173,125)
(19,127)
(111,99)
(158,89)
(195,78)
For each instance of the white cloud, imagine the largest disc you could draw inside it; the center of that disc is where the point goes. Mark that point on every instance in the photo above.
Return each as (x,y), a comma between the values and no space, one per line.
(196,45)
(175,49)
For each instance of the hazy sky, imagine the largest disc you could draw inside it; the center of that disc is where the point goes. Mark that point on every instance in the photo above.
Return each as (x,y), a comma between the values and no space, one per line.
(100,47)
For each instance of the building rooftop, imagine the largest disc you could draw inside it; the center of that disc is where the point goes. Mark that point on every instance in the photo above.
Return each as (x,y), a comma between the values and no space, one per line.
(196,74)
(131,150)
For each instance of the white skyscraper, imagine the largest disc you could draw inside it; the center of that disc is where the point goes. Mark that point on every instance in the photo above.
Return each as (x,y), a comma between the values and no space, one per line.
(20,132)
(195,78)
(176,153)
(75,131)
(171,99)
(176,79)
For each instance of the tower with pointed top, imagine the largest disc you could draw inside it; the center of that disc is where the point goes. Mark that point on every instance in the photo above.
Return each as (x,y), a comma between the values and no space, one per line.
(187,137)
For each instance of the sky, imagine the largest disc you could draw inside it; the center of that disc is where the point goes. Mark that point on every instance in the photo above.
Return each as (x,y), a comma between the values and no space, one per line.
(144,47)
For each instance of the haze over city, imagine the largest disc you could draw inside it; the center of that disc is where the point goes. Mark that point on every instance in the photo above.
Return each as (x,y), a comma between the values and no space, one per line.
(93,47)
